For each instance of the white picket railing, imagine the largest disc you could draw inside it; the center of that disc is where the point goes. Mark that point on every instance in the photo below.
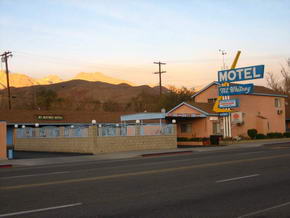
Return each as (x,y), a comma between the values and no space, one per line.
(102,131)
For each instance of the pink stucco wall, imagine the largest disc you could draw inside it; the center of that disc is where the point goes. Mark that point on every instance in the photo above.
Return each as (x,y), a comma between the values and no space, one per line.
(211,92)
(201,127)
(259,112)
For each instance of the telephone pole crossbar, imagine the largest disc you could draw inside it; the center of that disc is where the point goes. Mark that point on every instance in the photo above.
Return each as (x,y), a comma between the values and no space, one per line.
(4,58)
(160,72)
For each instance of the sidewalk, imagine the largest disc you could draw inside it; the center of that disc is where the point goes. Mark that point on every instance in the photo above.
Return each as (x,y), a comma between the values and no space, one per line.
(134,154)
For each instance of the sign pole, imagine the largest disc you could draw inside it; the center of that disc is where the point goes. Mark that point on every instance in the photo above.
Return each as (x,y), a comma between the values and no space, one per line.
(227,121)
(230,122)
(223,102)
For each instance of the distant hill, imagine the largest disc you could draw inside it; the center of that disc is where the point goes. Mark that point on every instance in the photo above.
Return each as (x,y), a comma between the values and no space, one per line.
(79,95)
(16,80)
(22,80)
(50,79)
(94,77)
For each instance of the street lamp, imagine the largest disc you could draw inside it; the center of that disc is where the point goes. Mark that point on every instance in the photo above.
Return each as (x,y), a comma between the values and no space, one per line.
(94,122)
(173,121)
(37,125)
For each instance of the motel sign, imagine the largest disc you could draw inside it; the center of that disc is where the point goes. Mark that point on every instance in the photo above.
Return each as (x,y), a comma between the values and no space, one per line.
(241,74)
(238,89)
(229,103)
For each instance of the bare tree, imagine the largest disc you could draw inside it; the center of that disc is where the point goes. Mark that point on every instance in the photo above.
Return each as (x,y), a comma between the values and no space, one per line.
(281,85)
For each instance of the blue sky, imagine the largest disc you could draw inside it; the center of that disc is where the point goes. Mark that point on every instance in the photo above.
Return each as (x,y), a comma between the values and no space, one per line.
(122,38)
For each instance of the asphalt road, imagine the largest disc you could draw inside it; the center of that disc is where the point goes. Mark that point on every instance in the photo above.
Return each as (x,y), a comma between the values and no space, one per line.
(249,182)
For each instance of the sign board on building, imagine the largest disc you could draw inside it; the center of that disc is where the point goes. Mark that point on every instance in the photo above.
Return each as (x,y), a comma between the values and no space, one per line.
(49,117)
(241,74)
(213,118)
(238,89)
(224,114)
(186,115)
(237,117)
(229,103)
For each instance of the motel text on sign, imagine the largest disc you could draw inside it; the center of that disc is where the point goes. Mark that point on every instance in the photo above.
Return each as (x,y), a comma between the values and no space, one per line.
(241,74)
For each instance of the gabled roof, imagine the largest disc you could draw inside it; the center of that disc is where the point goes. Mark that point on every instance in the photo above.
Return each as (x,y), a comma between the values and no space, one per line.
(204,108)
(205,88)
(258,90)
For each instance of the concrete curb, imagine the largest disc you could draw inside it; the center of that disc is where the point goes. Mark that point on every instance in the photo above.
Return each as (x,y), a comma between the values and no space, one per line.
(166,153)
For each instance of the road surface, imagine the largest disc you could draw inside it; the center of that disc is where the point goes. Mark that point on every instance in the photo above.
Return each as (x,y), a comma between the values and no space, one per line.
(246,182)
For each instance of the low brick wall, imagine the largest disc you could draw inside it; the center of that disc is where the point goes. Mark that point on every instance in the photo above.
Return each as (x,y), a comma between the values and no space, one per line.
(131,143)
(96,144)
(75,145)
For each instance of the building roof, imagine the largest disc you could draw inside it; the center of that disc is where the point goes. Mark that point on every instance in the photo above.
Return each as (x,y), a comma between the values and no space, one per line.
(142,116)
(258,90)
(64,117)
(262,90)
(204,108)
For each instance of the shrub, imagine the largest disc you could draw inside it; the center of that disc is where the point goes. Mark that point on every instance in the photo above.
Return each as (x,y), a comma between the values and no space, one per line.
(273,135)
(182,139)
(252,133)
(196,139)
(261,136)
(286,134)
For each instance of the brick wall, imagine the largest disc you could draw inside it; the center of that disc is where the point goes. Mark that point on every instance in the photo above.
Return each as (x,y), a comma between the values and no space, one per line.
(94,144)
(75,145)
(130,143)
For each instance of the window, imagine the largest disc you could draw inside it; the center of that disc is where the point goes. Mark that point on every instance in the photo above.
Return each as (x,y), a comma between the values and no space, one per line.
(186,128)
(216,128)
(66,131)
(211,100)
(42,132)
(277,102)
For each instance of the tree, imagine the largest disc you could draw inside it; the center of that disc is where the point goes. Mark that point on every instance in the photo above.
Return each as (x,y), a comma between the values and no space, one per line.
(111,106)
(143,102)
(175,96)
(282,85)
(46,97)
(168,100)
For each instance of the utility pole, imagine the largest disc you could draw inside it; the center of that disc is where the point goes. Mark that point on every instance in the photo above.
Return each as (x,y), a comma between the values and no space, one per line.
(160,72)
(223,52)
(4,58)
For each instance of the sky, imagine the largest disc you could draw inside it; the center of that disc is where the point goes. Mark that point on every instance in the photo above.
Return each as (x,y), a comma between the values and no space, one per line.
(122,38)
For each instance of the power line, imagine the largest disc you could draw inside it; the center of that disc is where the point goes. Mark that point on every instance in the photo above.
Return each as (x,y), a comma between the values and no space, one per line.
(160,72)
(4,59)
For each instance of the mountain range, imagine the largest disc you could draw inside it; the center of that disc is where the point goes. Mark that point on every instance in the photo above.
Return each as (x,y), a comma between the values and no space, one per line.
(85,91)
(21,80)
